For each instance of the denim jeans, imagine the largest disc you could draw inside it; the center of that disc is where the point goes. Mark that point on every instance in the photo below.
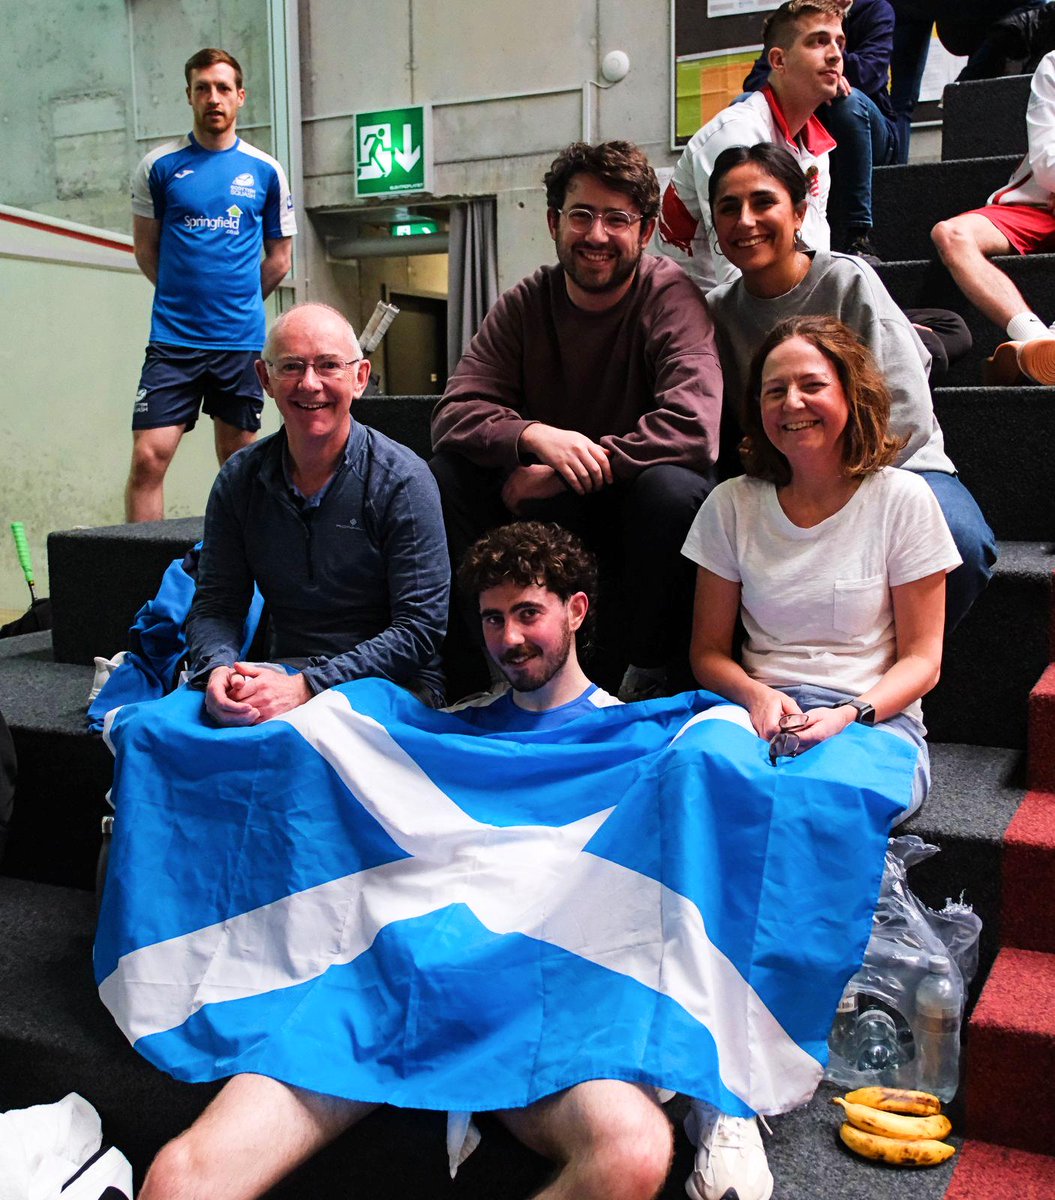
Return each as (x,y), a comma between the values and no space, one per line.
(810,695)
(866,139)
(974,540)
(908,60)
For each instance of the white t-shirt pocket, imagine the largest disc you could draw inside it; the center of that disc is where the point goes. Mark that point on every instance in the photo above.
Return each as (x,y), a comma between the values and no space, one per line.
(858,604)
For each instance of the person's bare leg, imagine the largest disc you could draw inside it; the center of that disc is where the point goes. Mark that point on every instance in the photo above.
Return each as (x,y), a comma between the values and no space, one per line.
(252,1135)
(610,1140)
(966,243)
(152,451)
(229,438)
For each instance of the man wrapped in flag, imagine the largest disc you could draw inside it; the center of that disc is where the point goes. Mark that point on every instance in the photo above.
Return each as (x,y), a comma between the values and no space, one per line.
(541,903)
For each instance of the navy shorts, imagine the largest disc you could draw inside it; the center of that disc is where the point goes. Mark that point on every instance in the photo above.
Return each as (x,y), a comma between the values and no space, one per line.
(177,379)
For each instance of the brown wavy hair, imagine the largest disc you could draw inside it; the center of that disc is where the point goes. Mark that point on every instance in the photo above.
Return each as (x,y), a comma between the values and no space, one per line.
(621,166)
(868,443)
(533,553)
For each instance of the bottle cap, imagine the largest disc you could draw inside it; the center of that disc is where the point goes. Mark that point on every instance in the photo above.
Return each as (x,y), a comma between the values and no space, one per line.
(938,964)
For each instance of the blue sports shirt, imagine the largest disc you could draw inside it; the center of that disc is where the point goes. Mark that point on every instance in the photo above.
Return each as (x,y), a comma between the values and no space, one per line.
(216,208)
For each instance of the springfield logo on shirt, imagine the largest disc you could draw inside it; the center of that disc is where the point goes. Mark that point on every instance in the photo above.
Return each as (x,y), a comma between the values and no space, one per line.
(230,222)
(244,185)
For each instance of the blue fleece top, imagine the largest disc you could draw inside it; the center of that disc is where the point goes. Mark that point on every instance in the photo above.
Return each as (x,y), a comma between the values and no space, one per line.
(357,583)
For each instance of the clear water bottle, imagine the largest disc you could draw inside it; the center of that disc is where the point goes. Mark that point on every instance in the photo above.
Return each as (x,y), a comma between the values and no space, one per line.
(938,1008)
(841,1039)
(876,1047)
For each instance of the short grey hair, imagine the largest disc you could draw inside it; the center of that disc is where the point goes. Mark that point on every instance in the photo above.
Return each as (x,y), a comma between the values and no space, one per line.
(276,329)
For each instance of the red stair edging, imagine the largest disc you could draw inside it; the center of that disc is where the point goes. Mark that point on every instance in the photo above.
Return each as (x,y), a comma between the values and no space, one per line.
(1042,731)
(1011,1054)
(1027,919)
(988,1172)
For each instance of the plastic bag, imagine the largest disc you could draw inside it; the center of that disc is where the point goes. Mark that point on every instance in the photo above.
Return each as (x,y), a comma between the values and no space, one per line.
(905,934)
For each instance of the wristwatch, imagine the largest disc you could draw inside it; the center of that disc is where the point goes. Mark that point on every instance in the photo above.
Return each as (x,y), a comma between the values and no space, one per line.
(866,714)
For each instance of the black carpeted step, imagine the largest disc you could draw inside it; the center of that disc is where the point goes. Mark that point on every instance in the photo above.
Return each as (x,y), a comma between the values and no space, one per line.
(927,284)
(908,201)
(985,116)
(997,654)
(405,419)
(975,791)
(63,772)
(100,578)
(1015,489)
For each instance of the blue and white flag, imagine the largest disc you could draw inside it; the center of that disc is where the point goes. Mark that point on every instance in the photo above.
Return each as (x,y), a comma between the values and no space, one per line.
(374,900)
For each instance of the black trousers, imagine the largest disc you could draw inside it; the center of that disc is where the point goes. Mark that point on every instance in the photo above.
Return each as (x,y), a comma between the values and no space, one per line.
(636,528)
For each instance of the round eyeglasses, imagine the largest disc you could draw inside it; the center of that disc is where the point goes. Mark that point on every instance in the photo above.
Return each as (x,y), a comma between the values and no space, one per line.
(614,220)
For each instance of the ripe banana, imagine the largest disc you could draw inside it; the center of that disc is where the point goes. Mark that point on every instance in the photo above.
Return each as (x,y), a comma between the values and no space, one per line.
(898,1100)
(893,1125)
(899,1153)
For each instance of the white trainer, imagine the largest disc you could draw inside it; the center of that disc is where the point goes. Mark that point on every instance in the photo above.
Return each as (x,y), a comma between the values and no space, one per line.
(730,1158)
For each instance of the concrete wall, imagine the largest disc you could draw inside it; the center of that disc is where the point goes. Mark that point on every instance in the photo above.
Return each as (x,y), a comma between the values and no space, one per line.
(464,57)
(88,86)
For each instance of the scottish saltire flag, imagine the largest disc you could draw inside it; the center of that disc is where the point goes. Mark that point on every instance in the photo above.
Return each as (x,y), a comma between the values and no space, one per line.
(375,900)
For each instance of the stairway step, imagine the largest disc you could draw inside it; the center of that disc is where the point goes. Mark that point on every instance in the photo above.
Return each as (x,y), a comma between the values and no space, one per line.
(55,1037)
(63,771)
(1011,1059)
(996,655)
(985,1171)
(100,578)
(927,284)
(984,115)
(1028,907)
(909,200)
(975,793)
(1018,503)
(1042,732)
(406,419)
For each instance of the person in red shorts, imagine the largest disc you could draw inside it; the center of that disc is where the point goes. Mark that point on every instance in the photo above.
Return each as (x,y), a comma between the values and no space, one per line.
(1017,219)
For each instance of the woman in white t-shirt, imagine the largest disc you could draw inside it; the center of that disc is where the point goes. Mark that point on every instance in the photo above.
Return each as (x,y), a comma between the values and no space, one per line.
(835,559)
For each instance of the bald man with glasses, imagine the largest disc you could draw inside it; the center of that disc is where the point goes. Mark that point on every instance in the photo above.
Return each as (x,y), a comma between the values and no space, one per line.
(590,396)
(338,526)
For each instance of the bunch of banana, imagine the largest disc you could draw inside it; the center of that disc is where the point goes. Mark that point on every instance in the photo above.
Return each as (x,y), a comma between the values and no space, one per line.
(876,1126)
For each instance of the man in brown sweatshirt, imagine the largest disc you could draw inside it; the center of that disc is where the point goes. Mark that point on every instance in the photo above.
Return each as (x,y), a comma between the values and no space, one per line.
(591,396)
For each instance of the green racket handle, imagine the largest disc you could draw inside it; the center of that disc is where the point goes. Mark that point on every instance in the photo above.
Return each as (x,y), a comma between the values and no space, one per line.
(25,559)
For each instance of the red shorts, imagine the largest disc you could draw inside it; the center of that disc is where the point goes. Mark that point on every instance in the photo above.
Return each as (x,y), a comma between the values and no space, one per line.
(1029,230)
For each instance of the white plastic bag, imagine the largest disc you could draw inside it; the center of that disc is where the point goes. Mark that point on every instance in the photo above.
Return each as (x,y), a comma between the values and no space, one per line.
(905,933)
(56,1149)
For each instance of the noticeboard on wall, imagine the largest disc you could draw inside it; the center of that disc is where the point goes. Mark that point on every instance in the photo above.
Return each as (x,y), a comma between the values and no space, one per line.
(713,46)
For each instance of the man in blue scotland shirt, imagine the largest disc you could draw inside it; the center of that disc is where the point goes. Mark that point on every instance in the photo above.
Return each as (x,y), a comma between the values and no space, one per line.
(205,208)
(338,526)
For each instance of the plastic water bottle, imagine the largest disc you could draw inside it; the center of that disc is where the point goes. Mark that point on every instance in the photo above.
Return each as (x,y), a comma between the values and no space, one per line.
(938,1006)
(876,1044)
(841,1039)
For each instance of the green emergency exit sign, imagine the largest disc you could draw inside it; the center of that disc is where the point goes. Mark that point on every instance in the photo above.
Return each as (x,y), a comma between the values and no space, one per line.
(393,151)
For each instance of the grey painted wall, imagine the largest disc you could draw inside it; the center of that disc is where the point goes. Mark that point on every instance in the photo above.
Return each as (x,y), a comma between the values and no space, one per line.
(88,86)
(464,57)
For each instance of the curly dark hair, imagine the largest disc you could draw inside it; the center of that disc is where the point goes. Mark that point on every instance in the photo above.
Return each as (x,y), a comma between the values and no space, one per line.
(780,27)
(618,165)
(209,57)
(868,443)
(533,553)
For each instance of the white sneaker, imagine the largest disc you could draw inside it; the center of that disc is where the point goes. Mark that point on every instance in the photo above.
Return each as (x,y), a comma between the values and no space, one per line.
(730,1158)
